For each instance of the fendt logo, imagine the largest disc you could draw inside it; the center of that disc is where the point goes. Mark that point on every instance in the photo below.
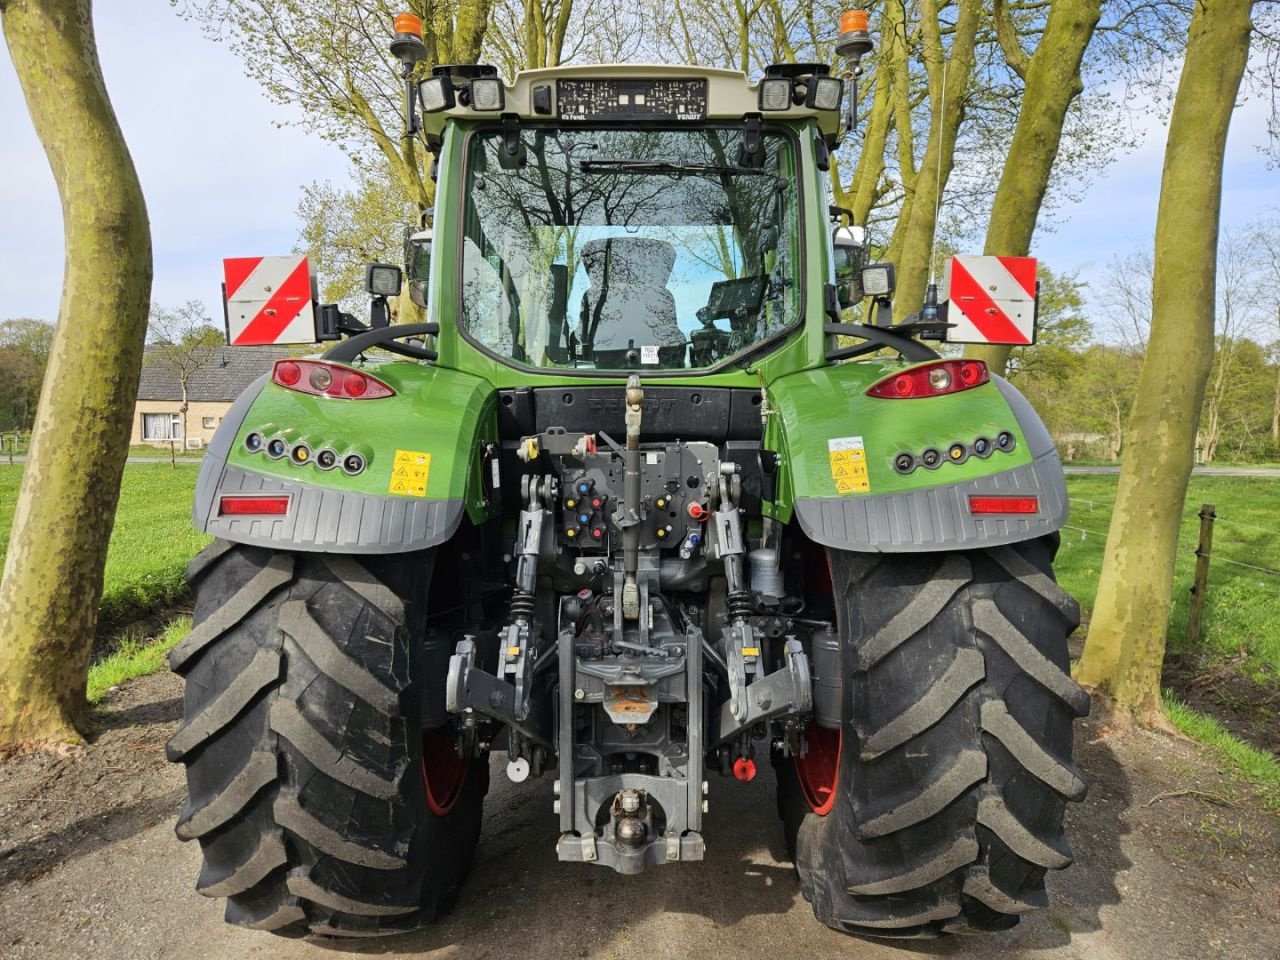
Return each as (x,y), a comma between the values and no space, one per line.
(617,405)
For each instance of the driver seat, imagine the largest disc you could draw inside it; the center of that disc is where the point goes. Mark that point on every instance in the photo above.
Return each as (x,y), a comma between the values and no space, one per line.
(628,304)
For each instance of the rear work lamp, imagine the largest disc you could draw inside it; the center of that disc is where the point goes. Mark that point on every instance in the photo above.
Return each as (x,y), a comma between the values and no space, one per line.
(382,279)
(878,279)
(436,94)
(824,93)
(775,94)
(486,95)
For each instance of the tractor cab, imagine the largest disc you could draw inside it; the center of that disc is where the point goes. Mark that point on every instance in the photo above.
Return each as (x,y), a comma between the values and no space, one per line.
(630,218)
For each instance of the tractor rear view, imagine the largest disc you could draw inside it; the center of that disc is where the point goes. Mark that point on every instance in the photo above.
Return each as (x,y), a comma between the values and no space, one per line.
(642,507)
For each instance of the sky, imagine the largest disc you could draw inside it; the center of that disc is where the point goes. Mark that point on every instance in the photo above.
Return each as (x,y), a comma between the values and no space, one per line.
(223,169)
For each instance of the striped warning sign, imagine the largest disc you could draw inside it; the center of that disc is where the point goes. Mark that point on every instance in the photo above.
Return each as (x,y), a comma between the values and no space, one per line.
(268,300)
(990,300)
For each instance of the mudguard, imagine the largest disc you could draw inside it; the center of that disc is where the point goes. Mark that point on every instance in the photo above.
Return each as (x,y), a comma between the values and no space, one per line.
(425,452)
(838,448)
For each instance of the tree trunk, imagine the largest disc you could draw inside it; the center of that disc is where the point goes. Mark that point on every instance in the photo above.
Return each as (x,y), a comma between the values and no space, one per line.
(58,548)
(1125,648)
(1052,76)
(949,72)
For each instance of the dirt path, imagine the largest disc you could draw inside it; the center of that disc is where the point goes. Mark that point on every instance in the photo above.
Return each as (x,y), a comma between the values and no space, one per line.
(89,868)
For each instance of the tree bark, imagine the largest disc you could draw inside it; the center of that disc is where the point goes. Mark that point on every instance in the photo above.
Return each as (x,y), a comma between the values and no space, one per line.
(62,524)
(1052,76)
(1125,648)
(948,70)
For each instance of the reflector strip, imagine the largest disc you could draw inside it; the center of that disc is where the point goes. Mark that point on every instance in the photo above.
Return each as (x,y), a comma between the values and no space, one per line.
(1018,505)
(253,506)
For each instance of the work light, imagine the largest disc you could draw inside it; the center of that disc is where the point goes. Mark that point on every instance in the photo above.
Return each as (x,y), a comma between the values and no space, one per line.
(436,94)
(486,94)
(877,279)
(775,94)
(824,93)
(382,279)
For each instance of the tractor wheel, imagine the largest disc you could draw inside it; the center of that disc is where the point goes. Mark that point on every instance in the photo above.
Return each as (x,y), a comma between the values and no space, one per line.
(320,802)
(938,805)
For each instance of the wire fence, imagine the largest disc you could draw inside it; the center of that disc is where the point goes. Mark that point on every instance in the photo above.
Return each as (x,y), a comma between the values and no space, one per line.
(1189,531)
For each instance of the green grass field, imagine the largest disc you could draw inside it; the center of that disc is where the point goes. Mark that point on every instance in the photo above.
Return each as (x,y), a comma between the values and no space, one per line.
(1242,605)
(150,544)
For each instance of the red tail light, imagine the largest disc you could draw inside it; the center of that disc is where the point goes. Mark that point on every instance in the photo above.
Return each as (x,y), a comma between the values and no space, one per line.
(323,379)
(931,380)
(253,506)
(1016,505)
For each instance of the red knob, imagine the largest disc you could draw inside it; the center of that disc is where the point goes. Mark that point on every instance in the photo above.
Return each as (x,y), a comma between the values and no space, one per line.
(744,769)
(697,511)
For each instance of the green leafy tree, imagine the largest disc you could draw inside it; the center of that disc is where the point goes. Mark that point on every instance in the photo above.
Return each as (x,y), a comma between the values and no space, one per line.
(344,228)
(62,521)
(24,353)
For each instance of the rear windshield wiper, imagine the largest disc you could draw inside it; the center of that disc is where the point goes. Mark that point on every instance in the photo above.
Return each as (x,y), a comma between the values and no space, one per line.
(669,167)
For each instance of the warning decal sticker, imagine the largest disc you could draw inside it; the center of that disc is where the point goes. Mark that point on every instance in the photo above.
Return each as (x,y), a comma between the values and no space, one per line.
(849,465)
(409,473)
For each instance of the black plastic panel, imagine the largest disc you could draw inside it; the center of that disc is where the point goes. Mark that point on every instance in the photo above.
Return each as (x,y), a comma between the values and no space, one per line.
(632,99)
(714,414)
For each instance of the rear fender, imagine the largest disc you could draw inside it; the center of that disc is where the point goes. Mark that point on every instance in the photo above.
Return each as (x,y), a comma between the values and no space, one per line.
(426,463)
(838,448)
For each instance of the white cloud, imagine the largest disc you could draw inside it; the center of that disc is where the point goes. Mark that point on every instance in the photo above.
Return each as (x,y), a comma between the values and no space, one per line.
(220,173)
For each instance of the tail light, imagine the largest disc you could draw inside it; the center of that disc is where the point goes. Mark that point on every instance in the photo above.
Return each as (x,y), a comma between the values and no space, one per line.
(253,506)
(323,379)
(1005,505)
(931,380)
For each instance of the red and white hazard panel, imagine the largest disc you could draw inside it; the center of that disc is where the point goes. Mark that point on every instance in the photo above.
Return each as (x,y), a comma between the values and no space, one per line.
(268,300)
(990,300)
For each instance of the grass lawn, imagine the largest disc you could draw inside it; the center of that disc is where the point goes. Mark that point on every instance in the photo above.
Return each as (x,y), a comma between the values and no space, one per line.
(150,544)
(135,656)
(1243,604)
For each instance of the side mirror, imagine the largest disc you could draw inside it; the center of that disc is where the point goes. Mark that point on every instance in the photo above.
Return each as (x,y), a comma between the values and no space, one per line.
(850,246)
(418,265)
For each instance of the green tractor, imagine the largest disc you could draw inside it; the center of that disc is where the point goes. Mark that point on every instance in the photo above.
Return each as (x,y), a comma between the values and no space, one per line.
(642,506)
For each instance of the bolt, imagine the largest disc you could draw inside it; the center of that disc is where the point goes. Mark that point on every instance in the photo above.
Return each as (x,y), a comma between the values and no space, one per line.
(579,694)
(706,788)
(706,807)
(555,788)
(555,806)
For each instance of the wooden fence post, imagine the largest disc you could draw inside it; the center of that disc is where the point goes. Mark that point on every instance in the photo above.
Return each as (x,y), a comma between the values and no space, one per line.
(1204,549)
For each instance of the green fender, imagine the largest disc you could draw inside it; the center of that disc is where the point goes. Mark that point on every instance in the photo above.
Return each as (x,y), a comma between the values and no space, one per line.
(425,451)
(838,448)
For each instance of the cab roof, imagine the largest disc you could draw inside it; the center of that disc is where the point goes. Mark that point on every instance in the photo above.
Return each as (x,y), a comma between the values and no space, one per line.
(662,94)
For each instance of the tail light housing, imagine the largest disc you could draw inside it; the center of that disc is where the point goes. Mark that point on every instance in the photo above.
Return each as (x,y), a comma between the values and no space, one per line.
(934,379)
(323,379)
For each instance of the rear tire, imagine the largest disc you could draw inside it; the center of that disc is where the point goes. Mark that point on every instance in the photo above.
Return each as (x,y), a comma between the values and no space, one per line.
(307,678)
(945,788)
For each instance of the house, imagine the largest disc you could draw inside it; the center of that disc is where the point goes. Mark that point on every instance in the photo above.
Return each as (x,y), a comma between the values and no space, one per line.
(217,377)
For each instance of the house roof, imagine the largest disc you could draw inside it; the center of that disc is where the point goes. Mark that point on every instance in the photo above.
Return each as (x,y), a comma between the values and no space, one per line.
(225,373)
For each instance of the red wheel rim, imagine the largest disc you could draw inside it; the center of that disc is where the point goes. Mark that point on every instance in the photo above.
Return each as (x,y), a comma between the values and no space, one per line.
(819,769)
(443,771)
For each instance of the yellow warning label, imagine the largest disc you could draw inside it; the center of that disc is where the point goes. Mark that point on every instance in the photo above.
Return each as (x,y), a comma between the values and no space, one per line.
(848,460)
(409,472)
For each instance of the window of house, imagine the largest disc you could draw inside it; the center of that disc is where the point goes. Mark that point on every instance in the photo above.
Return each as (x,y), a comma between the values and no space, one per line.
(161,426)
(206,423)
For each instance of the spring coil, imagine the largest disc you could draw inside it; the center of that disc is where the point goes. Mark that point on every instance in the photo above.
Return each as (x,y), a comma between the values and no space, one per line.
(522,606)
(739,605)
